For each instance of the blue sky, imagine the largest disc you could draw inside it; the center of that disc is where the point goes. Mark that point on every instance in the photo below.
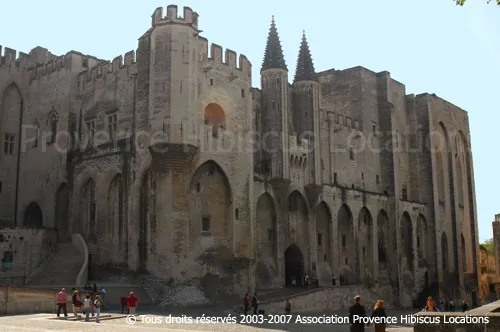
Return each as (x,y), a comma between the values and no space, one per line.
(429,45)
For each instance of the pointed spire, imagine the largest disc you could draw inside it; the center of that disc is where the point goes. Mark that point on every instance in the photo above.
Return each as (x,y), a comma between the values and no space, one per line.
(305,67)
(273,56)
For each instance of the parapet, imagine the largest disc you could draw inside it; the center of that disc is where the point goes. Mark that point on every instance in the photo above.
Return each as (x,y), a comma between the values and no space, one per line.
(298,145)
(242,69)
(107,67)
(10,57)
(172,17)
(42,69)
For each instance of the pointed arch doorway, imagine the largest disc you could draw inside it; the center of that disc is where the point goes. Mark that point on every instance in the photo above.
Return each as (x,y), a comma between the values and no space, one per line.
(294,266)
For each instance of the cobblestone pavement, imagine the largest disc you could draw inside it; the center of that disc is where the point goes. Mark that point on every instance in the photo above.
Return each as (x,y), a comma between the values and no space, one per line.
(120,323)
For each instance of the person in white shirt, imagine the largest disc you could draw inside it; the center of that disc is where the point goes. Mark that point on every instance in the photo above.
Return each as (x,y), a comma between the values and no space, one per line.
(86,307)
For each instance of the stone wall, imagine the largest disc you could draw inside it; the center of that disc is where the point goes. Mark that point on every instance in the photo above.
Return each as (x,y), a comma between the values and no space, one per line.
(30,249)
(16,301)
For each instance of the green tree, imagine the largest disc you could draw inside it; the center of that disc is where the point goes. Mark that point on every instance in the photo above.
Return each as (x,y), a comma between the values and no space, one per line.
(462,2)
(488,246)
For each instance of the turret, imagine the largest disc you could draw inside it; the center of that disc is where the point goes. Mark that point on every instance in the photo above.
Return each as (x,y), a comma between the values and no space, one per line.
(170,60)
(274,83)
(306,106)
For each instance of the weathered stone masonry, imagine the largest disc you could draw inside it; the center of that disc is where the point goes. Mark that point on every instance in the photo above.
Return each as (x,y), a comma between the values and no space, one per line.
(149,157)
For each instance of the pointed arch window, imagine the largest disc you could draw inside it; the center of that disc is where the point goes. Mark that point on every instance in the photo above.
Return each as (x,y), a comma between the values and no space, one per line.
(52,124)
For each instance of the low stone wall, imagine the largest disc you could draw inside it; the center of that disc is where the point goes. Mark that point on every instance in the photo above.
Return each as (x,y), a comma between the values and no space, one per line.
(16,300)
(484,318)
(323,300)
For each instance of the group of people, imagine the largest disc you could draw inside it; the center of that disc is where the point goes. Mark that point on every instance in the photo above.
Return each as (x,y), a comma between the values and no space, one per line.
(91,305)
(342,280)
(306,281)
(359,310)
(445,305)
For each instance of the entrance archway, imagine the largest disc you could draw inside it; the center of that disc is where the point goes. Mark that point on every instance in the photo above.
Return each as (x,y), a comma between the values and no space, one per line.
(33,216)
(294,266)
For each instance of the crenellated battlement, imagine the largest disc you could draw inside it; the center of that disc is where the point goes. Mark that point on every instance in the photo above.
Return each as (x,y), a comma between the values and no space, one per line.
(41,69)
(105,68)
(298,146)
(190,17)
(9,57)
(224,60)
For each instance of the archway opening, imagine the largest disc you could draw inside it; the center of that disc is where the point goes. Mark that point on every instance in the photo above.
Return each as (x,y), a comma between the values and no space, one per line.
(266,240)
(210,202)
(294,266)
(33,216)
(88,212)
(445,265)
(422,240)
(298,219)
(114,228)
(365,241)
(323,236)
(347,250)
(382,239)
(407,240)
(62,213)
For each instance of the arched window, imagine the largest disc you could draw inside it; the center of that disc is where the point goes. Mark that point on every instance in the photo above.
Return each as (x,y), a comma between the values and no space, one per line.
(215,117)
(52,125)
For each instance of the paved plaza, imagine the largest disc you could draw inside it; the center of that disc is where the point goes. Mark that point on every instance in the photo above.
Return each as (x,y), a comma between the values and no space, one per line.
(119,323)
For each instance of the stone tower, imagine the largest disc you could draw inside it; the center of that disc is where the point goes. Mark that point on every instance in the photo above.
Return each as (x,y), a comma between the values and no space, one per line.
(173,73)
(306,91)
(274,83)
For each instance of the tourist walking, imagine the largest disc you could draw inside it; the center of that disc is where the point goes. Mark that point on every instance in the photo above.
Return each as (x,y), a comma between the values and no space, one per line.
(103,296)
(379,312)
(465,307)
(255,304)
(430,305)
(288,307)
(86,307)
(357,311)
(77,304)
(333,279)
(246,304)
(97,308)
(132,303)
(61,300)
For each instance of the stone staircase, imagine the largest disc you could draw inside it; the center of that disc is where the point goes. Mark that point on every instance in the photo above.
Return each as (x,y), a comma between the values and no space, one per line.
(321,300)
(62,268)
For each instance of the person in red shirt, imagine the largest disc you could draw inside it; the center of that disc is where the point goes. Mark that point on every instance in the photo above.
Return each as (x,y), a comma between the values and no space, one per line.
(246,303)
(132,303)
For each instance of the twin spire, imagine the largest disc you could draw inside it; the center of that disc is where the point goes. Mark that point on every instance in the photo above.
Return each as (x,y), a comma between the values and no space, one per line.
(273,56)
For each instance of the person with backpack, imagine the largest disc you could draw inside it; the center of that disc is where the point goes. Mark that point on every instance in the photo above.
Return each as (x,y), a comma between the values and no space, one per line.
(77,304)
(97,308)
